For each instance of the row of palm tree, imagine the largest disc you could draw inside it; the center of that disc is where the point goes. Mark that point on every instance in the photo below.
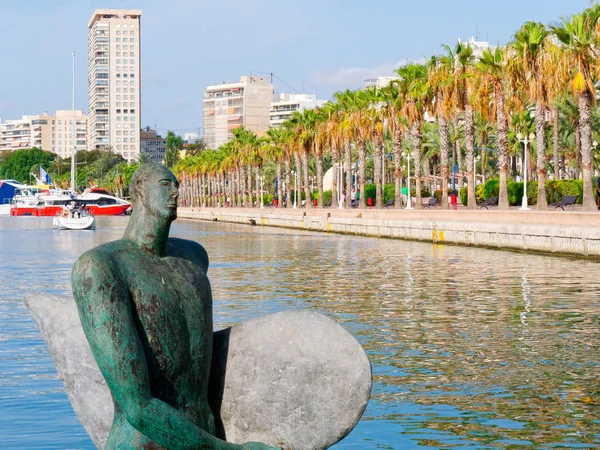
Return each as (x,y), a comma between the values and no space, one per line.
(475,101)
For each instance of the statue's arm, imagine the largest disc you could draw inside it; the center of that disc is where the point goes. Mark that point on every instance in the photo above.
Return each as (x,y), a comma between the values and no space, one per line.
(105,310)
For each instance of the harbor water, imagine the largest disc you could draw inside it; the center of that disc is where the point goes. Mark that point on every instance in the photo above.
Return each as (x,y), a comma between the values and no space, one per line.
(470,347)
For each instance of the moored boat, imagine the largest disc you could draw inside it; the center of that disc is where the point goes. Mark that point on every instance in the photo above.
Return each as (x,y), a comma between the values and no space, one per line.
(75,217)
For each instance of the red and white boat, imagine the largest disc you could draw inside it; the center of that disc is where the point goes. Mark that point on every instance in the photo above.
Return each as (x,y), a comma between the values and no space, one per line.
(51,203)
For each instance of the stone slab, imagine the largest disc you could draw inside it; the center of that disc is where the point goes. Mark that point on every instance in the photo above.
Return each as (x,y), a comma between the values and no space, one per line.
(293,379)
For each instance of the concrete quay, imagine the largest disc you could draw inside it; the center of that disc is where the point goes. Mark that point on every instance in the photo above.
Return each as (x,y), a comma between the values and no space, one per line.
(574,232)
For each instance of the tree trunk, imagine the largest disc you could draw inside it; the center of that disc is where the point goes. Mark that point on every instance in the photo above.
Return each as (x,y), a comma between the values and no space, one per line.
(257,184)
(348,170)
(306,180)
(250,193)
(470,147)
(502,130)
(577,149)
(585,123)
(555,143)
(298,180)
(288,174)
(397,144)
(540,136)
(362,162)
(377,146)
(415,131)
(279,187)
(444,147)
(335,156)
(459,161)
(319,161)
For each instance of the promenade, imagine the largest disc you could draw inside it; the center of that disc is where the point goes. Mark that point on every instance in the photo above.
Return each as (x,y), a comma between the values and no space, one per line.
(574,233)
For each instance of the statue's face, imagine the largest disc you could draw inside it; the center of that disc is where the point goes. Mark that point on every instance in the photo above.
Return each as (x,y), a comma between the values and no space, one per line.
(160,194)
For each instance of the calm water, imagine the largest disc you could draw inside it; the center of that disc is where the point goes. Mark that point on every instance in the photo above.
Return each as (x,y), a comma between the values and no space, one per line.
(470,347)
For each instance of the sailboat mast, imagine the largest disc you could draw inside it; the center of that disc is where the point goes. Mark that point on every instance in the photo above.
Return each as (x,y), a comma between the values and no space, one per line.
(74,128)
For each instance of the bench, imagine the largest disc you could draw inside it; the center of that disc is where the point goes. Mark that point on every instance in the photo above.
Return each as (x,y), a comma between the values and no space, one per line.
(431,202)
(490,201)
(566,200)
(389,203)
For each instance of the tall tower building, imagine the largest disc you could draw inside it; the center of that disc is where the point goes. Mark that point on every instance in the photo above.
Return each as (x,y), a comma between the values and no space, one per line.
(114,81)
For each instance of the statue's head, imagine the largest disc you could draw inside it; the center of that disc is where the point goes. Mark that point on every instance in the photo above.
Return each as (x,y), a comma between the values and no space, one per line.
(154,189)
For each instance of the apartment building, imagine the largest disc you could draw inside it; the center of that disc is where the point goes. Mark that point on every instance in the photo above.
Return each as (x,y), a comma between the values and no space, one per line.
(26,132)
(153,145)
(284,106)
(57,133)
(114,93)
(69,131)
(230,105)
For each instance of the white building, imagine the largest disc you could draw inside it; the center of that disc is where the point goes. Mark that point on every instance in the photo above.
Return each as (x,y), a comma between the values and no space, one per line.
(477,46)
(69,130)
(231,105)
(284,106)
(59,133)
(379,82)
(114,81)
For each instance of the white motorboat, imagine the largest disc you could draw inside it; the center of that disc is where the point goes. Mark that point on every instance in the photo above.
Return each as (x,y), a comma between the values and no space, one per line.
(75,218)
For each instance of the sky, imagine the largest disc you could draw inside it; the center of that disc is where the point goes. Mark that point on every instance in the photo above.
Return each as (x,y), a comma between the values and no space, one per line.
(311,46)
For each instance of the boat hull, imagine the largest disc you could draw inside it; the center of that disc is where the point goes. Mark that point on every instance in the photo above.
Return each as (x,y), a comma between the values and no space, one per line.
(96,210)
(70,223)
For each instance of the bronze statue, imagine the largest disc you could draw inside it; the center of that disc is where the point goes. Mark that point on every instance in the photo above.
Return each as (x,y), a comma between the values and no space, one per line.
(145,304)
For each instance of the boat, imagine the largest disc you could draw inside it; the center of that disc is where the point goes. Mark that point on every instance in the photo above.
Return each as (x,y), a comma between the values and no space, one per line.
(19,197)
(75,217)
(50,203)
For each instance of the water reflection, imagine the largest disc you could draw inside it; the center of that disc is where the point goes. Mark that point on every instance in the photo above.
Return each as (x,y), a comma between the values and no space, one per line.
(470,347)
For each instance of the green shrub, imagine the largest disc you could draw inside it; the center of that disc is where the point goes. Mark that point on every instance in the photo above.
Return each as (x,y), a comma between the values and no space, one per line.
(464,195)
(491,188)
(389,192)
(425,192)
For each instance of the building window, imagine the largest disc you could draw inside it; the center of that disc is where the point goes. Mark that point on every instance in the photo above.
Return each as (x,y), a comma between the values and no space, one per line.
(118,104)
(132,26)
(132,76)
(118,33)
(125,25)
(118,111)
(118,83)
(119,68)
(118,75)
(118,61)
(118,119)
(131,39)
(131,54)
(119,39)
(132,111)
(124,75)
(118,139)
(132,118)
(118,25)
(118,89)
(118,147)
(118,47)
(132,140)
(125,139)
(125,97)
(125,47)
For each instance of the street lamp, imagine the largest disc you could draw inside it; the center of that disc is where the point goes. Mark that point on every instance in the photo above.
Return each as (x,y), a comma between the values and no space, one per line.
(312,185)
(525,140)
(261,178)
(477,158)
(407,156)
(295,193)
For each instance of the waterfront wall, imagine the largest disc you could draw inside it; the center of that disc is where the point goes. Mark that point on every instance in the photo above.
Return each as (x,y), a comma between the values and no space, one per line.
(569,233)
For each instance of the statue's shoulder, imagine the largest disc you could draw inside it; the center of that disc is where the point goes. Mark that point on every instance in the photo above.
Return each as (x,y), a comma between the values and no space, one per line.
(100,261)
(190,250)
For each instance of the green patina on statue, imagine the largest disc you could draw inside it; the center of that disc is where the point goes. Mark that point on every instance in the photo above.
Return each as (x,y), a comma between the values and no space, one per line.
(146,308)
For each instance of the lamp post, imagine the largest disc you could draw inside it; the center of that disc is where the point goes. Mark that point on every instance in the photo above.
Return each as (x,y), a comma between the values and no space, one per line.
(525,140)
(407,156)
(261,178)
(477,158)
(294,173)
(312,185)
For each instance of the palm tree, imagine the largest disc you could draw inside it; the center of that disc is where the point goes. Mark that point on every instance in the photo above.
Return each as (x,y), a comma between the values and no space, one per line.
(578,36)
(534,71)
(414,87)
(392,106)
(491,69)
(464,61)
(143,158)
(441,77)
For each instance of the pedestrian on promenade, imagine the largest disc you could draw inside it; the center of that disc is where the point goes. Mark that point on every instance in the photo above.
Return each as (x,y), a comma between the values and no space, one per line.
(404,195)
(598,192)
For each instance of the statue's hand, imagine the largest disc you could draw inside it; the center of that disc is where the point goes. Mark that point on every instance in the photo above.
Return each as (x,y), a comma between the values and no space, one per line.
(258,446)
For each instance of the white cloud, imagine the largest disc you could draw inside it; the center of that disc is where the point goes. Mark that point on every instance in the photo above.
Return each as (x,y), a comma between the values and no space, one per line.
(354,77)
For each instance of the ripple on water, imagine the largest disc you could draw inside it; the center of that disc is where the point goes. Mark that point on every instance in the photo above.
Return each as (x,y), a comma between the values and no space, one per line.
(470,347)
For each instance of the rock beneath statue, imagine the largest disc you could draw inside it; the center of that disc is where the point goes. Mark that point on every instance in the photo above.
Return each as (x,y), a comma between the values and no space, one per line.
(293,379)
